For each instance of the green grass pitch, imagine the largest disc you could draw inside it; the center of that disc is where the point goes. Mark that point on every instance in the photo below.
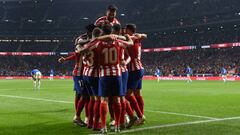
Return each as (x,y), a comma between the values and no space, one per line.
(171,108)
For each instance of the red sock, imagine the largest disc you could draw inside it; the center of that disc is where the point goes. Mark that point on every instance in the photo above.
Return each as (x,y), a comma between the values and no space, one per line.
(90,112)
(80,106)
(140,103)
(96,113)
(117,113)
(86,107)
(111,106)
(129,109)
(134,105)
(103,113)
(122,119)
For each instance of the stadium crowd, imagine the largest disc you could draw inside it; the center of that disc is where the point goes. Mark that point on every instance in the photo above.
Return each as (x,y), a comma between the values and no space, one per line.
(202,61)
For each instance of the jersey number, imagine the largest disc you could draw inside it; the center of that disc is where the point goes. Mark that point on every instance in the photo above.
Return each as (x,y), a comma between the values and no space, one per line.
(90,58)
(110,55)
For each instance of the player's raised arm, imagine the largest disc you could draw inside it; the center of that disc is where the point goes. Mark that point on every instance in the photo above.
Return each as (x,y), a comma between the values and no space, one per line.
(128,42)
(140,36)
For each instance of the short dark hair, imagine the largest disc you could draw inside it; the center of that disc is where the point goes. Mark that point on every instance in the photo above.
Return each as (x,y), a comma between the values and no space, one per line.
(116,27)
(112,8)
(132,27)
(97,32)
(90,27)
(107,29)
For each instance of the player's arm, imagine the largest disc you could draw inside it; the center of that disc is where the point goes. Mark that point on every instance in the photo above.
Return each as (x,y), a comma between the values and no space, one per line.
(127,58)
(128,42)
(140,36)
(83,49)
(81,41)
(71,57)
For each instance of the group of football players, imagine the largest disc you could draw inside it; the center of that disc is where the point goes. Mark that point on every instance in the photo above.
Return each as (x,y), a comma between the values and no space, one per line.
(108,74)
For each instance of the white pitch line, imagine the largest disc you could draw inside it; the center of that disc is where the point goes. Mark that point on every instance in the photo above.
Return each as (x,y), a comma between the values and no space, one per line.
(68,102)
(176,125)
(38,99)
(182,114)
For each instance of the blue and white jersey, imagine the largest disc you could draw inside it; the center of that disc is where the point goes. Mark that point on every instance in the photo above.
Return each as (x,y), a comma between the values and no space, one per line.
(158,72)
(51,72)
(35,71)
(223,71)
(189,70)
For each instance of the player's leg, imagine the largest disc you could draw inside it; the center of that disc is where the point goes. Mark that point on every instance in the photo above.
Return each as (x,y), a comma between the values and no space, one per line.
(117,91)
(111,112)
(80,103)
(133,82)
(96,113)
(34,82)
(117,112)
(96,107)
(103,114)
(90,106)
(224,78)
(91,112)
(131,115)
(123,113)
(123,100)
(103,92)
(139,98)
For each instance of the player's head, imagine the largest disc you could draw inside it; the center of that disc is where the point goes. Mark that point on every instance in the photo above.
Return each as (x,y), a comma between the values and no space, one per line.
(131,29)
(107,29)
(116,29)
(89,29)
(96,32)
(111,12)
(123,30)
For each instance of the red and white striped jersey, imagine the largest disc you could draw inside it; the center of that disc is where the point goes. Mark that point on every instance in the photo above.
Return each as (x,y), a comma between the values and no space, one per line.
(125,56)
(102,20)
(78,68)
(109,56)
(135,54)
(91,61)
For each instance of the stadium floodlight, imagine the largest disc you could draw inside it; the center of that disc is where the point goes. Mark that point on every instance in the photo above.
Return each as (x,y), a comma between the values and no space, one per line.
(122,14)
(85,18)
(49,20)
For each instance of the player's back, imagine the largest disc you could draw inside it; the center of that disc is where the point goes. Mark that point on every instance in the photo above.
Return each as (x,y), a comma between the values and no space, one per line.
(135,54)
(34,71)
(109,58)
(91,62)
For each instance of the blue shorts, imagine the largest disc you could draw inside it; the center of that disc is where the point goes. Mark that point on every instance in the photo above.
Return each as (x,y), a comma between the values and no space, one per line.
(79,86)
(110,86)
(125,82)
(91,85)
(135,79)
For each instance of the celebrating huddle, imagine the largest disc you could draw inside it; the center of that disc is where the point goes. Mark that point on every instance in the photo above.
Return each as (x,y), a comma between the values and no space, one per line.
(108,74)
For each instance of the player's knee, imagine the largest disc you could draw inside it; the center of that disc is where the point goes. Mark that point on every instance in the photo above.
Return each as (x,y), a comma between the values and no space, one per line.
(129,92)
(137,92)
(116,99)
(104,99)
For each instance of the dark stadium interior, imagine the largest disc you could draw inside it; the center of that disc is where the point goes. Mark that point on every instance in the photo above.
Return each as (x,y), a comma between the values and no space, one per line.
(25,23)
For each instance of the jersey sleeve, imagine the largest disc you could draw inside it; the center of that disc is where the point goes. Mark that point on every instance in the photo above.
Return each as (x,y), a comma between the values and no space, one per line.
(71,57)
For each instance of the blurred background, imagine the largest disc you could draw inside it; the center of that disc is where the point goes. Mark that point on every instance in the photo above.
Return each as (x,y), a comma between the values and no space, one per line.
(53,25)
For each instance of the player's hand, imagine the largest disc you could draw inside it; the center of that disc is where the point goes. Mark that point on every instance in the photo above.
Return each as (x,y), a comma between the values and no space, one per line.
(61,60)
(123,63)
